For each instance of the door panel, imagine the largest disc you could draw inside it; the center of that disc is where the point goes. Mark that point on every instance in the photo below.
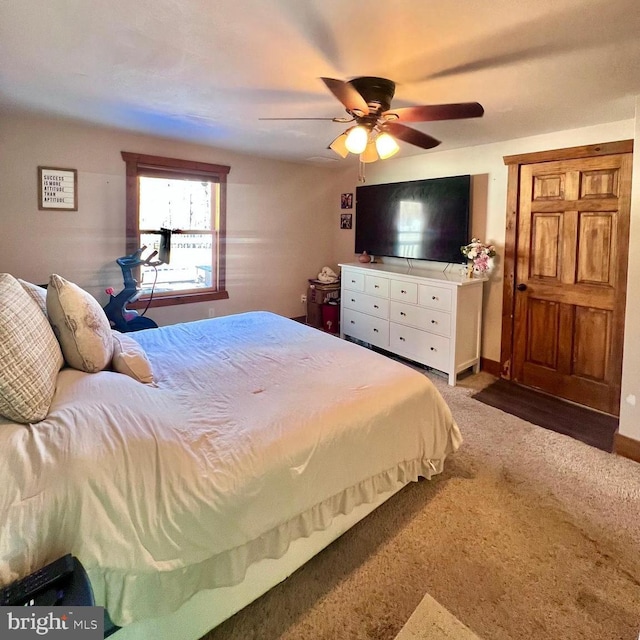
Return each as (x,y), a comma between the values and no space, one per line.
(542,333)
(546,233)
(548,187)
(596,248)
(602,183)
(592,336)
(572,242)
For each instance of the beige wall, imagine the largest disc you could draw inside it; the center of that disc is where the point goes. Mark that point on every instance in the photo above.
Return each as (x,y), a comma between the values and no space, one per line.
(630,401)
(344,239)
(280,216)
(283,218)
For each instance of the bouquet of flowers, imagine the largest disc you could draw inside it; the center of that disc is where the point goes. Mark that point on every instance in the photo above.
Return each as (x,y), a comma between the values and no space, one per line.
(478,253)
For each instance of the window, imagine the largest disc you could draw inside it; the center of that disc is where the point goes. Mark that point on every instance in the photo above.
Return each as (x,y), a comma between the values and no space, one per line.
(188,198)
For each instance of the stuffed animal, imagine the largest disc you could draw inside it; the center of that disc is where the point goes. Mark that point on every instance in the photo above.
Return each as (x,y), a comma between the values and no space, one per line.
(327,276)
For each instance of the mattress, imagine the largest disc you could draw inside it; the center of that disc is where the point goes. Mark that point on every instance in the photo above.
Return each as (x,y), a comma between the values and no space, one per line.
(259,431)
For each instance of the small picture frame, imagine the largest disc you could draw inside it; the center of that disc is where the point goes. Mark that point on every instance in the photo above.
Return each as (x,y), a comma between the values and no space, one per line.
(57,189)
(346,220)
(346,201)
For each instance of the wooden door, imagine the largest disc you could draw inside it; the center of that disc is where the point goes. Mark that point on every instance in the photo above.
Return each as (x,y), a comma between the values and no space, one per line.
(570,278)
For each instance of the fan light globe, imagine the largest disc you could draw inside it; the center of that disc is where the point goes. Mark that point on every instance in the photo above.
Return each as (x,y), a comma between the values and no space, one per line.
(386,146)
(357,138)
(338,145)
(369,154)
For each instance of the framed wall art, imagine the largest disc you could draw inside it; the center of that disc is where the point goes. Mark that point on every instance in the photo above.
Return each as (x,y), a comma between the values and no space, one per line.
(346,220)
(57,189)
(346,201)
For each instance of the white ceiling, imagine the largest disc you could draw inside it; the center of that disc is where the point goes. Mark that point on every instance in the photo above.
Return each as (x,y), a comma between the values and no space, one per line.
(207,70)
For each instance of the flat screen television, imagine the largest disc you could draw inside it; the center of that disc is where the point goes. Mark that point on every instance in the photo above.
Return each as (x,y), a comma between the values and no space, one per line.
(421,219)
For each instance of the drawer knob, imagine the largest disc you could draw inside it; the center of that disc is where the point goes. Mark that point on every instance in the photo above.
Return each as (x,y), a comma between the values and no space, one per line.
(352,321)
(375,306)
(353,282)
(402,291)
(352,300)
(432,322)
(402,313)
(434,297)
(375,286)
(375,330)
(432,348)
(401,338)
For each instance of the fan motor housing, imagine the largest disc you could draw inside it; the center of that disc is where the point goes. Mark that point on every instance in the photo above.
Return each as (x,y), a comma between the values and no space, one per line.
(379,91)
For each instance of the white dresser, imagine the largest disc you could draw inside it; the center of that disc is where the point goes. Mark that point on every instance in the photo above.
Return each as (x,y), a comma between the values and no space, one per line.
(429,317)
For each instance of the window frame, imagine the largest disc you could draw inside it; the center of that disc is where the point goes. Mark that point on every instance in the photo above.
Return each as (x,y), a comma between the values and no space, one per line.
(138,164)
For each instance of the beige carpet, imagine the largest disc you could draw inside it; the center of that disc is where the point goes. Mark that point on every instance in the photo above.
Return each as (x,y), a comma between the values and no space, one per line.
(527,534)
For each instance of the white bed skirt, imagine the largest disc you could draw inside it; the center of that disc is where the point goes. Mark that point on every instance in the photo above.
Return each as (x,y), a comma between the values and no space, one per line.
(207,609)
(166,491)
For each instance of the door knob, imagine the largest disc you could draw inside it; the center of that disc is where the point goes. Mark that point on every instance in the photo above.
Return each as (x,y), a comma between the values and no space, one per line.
(522,287)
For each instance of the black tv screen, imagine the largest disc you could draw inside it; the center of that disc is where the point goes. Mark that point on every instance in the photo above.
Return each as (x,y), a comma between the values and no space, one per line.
(421,219)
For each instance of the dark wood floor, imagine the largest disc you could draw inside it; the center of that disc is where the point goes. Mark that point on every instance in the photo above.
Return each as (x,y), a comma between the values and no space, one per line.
(591,427)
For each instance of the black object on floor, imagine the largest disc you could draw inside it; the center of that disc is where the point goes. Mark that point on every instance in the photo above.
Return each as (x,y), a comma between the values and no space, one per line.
(584,424)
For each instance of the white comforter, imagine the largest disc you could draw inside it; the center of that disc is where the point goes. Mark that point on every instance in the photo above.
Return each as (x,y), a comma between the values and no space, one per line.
(259,431)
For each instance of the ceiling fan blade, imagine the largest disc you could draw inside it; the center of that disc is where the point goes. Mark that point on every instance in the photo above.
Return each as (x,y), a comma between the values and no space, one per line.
(331,119)
(431,112)
(412,136)
(349,97)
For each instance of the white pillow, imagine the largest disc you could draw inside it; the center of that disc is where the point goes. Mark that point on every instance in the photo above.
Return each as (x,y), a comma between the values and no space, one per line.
(29,353)
(129,358)
(39,294)
(80,324)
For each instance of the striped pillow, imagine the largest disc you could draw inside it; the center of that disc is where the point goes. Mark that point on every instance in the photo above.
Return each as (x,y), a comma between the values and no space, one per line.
(29,353)
(39,294)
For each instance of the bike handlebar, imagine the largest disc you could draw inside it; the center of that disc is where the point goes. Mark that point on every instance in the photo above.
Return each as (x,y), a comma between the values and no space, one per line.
(135,259)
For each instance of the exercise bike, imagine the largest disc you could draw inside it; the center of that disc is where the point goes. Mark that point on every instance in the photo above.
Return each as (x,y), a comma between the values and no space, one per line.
(120,317)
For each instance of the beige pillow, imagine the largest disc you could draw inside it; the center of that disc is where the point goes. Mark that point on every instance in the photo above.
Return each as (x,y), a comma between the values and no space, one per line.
(29,353)
(129,358)
(39,294)
(80,325)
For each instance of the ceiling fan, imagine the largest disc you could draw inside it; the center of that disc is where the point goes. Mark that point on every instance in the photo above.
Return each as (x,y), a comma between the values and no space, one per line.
(367,101)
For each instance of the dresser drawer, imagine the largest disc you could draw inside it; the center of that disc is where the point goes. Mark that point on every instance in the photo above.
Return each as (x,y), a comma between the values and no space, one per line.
(376,286)
(372,330)
(434,297)
(424,347)
(404,291)
(430,320)
(366,304)
(353,281)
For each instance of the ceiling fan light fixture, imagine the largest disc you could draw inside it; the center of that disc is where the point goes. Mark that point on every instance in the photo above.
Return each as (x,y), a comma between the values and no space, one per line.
(370,154)
(357,139)
(339,146)
(386,146)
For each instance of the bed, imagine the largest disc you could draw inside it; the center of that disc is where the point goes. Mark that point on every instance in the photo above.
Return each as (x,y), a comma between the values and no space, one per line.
(259,442)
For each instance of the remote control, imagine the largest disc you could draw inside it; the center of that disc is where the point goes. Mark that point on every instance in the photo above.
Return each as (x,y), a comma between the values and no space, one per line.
(21,590)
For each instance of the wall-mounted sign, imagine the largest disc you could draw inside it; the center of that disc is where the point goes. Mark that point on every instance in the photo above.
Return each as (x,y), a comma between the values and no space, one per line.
(57,189)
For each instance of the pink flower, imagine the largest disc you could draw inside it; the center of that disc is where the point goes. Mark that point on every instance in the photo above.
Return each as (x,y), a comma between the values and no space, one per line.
(482,262)
(109,291)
